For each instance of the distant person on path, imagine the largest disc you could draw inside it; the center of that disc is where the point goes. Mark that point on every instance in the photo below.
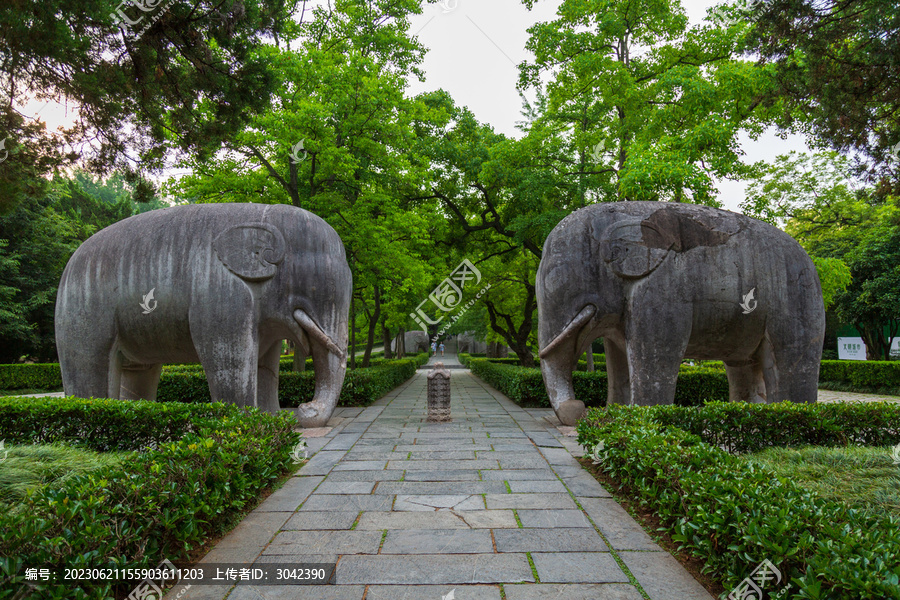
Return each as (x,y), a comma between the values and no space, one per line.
(442,348)
(433,348)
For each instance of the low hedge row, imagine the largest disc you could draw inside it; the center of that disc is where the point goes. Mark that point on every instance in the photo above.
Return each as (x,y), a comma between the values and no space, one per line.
(733,514)
(187,383)
(361,386)
(193,468)
(525,387)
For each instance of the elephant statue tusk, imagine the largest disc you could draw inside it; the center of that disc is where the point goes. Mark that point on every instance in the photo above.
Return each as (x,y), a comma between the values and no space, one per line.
(315,332)
(577,323)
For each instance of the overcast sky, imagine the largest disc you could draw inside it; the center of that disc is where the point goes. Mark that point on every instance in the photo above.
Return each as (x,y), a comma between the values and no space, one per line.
(474,47)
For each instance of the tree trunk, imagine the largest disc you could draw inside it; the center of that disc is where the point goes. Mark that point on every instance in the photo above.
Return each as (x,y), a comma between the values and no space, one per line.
(589,358)
(373,323)
(353,331)
(401,346)
(386,337)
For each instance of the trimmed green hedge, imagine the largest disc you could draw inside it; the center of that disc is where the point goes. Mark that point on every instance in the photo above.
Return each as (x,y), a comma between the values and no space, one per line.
(187,383)
(733,514)
(525,387)
(361,386)
(194,467)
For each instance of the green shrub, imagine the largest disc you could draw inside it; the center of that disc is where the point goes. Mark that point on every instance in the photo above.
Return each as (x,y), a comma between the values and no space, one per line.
(34,376)
(525,386)
(193,468)
(859,373)
(361,386)
(733,514)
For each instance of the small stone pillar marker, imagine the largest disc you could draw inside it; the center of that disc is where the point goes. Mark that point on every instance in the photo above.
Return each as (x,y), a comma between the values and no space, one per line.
(438,394)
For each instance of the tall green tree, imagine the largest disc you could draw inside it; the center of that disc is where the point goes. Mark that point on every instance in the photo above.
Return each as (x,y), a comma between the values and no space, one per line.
(836,69)
(142,78)
(639,105)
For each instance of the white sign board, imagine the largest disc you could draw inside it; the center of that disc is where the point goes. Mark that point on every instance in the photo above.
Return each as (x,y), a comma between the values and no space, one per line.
(895,348)
(851,348)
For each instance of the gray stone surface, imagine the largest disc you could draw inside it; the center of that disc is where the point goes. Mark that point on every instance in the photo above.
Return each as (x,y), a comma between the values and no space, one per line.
(291,495)
(435,569)
(239,265)
(549,540)
(622,532)
(438,541)
(662,577)
(429,531)
(298,592)
(433,592)
(577,567)
(325,542)
(572,591)
(553,518)
(725,285)
(326,520)
(555,501)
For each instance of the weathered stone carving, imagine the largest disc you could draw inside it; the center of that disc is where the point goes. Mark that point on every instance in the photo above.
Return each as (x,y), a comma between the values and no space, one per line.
(661,282)
(228,282)
(439,394)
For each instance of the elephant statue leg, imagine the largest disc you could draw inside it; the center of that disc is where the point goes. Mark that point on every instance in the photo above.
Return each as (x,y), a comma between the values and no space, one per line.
(617,374)
(139,382)
(657,337)
(267,378)
(745,381)
(231,364)
(790,368)
(86,361)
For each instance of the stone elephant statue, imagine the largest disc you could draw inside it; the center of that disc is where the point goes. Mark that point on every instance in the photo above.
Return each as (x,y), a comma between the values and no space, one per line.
(221,284)
(664,281)
(413,342)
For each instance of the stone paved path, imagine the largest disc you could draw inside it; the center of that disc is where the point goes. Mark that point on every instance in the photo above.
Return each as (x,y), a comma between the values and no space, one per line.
(413,510)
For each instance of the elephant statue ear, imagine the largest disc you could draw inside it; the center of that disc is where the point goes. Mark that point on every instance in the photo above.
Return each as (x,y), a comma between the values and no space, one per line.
(252,251)
(626,249)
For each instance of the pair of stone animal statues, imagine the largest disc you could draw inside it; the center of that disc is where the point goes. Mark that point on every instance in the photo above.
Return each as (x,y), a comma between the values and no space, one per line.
(224,284)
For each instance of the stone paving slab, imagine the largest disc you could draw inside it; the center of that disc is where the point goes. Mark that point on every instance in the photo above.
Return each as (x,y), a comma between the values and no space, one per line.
(663,577)
(410,509)
(608,591)
(434,569)
(433,592)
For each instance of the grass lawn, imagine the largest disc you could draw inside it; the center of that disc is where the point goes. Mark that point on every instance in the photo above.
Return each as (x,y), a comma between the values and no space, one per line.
(29,466)
(865,477)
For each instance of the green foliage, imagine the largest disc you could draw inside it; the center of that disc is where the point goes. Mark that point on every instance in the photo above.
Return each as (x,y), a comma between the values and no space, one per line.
(525,386)
(834,275)
(811,44)
(732,514)
(193,468)
(861,374)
